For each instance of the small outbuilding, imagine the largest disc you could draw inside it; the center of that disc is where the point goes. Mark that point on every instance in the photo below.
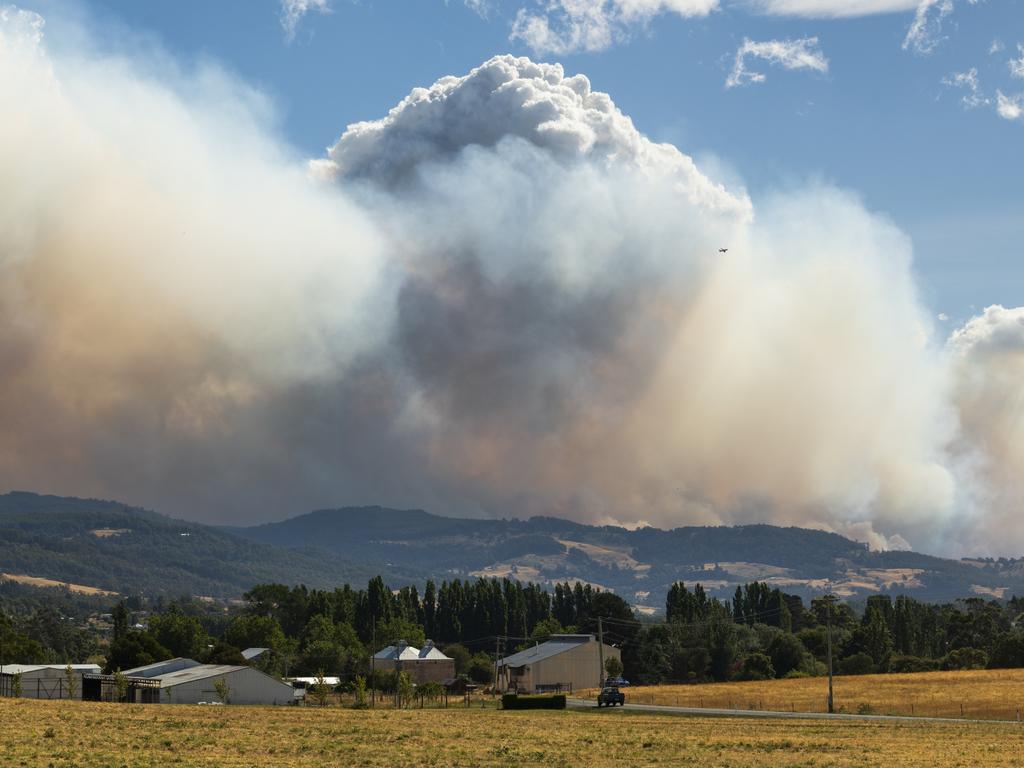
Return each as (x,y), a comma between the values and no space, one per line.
(564,663)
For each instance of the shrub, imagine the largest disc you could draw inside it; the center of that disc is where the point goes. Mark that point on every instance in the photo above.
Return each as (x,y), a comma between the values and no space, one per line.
(405,689)
(787,654)
(965,658)
(430,690)
(756,666)
(913,664)
(360,692)
(481,669)
(514,701)
(120,685)
(220,687)
(71,680)
(612,667)
(385,681)
(320,690)
(857,664)
(1008,650)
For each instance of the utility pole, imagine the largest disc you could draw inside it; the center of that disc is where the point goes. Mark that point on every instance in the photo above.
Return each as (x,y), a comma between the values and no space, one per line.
(828,645)
(600,652)
(497,657)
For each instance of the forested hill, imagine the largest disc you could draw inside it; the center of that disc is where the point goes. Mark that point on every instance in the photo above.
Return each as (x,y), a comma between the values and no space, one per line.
(109,546)
(639,565)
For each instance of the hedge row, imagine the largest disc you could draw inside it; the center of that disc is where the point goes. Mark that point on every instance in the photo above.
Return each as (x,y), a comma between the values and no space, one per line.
(514,701)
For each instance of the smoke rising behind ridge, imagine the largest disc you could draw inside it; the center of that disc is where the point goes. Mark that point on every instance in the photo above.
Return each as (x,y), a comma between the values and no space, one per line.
(500,299)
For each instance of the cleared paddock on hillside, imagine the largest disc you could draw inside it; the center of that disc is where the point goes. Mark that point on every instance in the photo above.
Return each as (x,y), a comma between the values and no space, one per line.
(89,735)
(990,694)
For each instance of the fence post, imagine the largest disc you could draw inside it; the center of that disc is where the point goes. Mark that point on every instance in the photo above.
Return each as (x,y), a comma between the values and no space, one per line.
(961,709)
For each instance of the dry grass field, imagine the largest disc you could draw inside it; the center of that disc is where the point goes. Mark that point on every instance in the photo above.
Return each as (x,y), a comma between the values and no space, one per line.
(36,581)
(64,734)
(995,694)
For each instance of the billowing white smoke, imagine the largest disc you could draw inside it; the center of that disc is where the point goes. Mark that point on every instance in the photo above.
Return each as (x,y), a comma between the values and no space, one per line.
(988,365)
(501,299)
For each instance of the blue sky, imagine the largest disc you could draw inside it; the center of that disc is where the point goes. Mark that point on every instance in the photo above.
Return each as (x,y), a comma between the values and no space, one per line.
(881,121)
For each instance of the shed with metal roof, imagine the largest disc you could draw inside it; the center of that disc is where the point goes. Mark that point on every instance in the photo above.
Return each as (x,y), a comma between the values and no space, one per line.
(246,685)
(563,663)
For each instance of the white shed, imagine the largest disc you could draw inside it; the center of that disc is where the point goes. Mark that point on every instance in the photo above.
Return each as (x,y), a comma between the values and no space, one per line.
(245,686)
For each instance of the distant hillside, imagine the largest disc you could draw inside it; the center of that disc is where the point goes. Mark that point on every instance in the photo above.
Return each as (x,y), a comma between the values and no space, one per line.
(104,545)
(109,546)
(639,565)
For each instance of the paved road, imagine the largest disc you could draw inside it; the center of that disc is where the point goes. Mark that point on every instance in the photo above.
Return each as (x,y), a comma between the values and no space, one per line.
(666,710)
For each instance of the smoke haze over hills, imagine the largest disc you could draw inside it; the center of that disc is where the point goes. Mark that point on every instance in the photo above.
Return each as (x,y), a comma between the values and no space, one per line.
(499,300)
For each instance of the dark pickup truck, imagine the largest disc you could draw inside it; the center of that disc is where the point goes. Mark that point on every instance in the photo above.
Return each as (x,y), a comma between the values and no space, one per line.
(610,696)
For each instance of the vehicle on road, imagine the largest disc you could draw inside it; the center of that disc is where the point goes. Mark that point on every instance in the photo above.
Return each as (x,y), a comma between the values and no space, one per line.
(617,682)
(609,696)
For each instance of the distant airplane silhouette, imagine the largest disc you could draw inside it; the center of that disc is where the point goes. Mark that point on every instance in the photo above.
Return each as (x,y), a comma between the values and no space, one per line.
(722,250)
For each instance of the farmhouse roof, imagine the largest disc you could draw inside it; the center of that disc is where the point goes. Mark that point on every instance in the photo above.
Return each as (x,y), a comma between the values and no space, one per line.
(253,653)
(401,652)
(553,647)
(431,653)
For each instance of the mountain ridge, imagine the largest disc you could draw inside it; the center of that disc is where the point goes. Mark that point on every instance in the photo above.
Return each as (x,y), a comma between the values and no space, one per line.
(111,546)
(638,563)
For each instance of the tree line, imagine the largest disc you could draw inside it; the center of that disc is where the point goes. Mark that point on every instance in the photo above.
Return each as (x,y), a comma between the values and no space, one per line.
(765,633)
(762,632)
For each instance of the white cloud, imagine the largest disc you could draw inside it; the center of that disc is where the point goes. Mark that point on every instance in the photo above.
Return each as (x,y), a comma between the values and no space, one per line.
(925,32)
(565,26)
(1017,65)
(996,47)
(1010,107)
(292,12)
(789,54)
(969,81)
(831,8)
(481,8)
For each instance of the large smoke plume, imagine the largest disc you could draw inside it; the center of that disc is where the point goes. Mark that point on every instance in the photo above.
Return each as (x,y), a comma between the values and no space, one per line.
(501,299)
